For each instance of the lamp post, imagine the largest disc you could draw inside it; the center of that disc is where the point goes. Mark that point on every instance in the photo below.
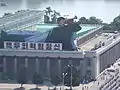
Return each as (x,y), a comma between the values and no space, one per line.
(63,74)
(70,76)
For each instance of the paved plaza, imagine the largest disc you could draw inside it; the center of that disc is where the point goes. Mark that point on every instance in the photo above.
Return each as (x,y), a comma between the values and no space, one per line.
(5,86)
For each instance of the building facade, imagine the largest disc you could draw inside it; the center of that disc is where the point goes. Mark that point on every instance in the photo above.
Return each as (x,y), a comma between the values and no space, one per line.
(47,61)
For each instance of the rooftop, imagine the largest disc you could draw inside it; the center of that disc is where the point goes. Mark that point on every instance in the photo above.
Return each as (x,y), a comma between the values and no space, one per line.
(46,27)
(97,41)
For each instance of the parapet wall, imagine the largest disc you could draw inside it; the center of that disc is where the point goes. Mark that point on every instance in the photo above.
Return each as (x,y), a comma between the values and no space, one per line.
(89,35)
(107,55)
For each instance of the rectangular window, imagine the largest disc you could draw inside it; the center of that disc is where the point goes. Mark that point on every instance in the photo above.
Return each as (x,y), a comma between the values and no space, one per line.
(88,73)
(89,63)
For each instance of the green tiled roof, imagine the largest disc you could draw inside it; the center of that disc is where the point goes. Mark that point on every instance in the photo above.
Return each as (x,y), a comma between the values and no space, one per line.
(47,27)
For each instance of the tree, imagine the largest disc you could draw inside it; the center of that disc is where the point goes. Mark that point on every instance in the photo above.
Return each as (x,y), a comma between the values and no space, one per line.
(22,76)
(91,20)
(115,25)
(94,20)
(107,26)
(51,16)
(83,20)
(54,19)
(75,77)
(55,80)
(37,79)
(49,10)
(46,19)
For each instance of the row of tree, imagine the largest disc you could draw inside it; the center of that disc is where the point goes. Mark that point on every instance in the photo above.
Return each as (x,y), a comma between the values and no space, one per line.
(22,77)
(91,20)
(54,78)
(113,26)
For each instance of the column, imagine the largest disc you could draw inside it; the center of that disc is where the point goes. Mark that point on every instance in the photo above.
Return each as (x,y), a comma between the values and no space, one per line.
(37,64)
(97,65)
(70,61)
(48,67)
(80,62)
(59,67)
(26,62)
(15,65)
(80,67)
(4,64)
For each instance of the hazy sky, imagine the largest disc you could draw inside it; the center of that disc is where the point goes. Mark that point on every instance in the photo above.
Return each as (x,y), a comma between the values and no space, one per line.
(104,9)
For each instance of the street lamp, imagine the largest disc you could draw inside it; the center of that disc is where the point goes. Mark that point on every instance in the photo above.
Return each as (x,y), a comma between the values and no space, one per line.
(63,74)
(70,76)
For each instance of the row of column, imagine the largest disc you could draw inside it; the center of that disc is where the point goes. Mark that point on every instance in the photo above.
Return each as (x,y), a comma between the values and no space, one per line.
(37,65)
(15,64)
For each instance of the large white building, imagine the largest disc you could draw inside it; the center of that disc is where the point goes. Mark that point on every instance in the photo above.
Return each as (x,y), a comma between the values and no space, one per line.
(97,51)
(89,61)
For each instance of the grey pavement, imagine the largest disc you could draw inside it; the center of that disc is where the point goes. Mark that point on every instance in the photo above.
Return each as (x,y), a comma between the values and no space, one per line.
(5,86)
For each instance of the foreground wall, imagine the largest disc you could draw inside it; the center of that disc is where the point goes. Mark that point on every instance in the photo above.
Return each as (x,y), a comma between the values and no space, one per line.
(46,62)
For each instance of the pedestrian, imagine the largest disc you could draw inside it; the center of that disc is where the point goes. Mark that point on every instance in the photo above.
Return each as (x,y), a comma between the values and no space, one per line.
(98,82)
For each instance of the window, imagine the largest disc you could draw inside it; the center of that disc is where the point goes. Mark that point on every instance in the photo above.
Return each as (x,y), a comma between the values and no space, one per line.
(88,62)
(88,72)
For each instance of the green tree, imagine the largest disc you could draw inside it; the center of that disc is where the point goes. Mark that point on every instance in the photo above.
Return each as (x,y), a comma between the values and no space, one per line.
(22,76)
(115,25)
(94,20)
(83,20)
(37,79)
(107,27)
(46,19)
(75,77)
(55,80)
